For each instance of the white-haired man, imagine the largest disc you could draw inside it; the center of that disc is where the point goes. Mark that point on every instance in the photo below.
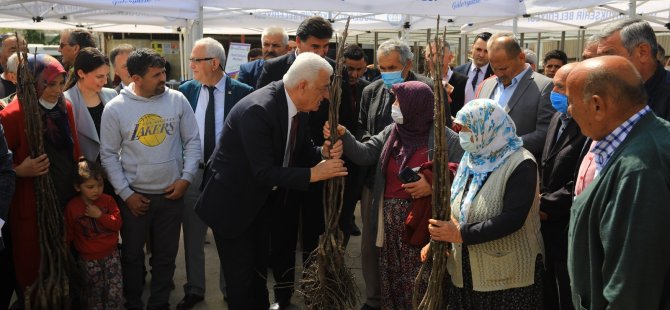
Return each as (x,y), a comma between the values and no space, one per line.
(251,175)
(275,44)
(8,47)
(212,95)
(10,75)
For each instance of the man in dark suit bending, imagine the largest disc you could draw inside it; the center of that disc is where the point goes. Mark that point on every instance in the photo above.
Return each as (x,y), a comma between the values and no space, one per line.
(265,133)
(313,35)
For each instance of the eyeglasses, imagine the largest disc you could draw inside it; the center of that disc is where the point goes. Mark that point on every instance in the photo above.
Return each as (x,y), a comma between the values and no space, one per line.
(62,45)
(200,59)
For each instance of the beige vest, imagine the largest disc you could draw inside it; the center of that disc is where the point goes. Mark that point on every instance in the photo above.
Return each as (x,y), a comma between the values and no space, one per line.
(508,262)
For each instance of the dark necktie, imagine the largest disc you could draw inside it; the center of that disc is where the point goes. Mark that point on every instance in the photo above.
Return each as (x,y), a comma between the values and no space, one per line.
(210,128)
(293,135)
(475,78)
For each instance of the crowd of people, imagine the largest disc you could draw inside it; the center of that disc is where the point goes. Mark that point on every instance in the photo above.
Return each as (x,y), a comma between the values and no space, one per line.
(560,181)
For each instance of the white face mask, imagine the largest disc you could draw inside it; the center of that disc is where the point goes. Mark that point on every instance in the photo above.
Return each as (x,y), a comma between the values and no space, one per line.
(396,114)
(466,143)
(46,104)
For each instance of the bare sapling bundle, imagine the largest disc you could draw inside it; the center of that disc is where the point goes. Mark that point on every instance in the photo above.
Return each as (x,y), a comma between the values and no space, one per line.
(52,288)
(435,297)
(327,282)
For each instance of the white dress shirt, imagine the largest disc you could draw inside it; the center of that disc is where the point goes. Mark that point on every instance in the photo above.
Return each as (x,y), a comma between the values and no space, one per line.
(292,111)
(469,92)
(201,108)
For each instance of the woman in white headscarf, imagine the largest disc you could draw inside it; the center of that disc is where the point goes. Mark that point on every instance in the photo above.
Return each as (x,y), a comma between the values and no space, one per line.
(495,260)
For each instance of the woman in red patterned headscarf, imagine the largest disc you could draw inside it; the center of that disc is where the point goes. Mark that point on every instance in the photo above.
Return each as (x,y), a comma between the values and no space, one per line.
(61,151)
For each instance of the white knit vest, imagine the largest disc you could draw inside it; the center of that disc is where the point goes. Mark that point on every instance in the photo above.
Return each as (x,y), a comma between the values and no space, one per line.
(508,262)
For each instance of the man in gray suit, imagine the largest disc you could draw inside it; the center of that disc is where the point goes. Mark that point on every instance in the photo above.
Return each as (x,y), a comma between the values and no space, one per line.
(524,94)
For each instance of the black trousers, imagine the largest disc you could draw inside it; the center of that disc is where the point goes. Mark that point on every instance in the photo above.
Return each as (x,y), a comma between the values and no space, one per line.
(284,235)
(162,223)
(353,186)
(244,260)
(557,293)
(7,277)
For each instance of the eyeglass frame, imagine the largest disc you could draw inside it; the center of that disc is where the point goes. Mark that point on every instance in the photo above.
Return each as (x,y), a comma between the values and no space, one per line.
(197,60)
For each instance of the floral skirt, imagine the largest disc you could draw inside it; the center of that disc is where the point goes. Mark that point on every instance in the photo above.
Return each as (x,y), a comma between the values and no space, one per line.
(522,298)
(104,282)
(399,262)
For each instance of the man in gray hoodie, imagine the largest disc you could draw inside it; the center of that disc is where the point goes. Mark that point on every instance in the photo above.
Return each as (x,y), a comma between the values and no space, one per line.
(150,148)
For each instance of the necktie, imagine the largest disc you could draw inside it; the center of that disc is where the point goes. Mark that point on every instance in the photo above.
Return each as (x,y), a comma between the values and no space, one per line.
(475,78)
(210,129)
(293,133)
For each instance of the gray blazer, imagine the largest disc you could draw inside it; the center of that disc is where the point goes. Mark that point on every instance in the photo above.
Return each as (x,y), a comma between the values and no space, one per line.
(368,153)
(529,107)
(89,142)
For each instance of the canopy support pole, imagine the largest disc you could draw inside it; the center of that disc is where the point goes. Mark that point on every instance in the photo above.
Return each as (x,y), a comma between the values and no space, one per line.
(538,49)
(515,26)
(562,41)
(374,54)
(462,55)
(194,33)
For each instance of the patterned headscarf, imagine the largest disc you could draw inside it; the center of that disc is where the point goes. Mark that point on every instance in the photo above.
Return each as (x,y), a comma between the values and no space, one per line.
(495,139)
(45,69)
(417,106)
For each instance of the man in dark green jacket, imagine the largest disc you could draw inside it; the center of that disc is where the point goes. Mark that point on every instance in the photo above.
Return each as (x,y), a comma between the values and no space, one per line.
(618,246)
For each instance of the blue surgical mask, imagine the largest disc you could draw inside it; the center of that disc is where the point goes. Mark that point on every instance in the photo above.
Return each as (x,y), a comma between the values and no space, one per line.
(559,102)
(466,143)
(392,78)
(396,114)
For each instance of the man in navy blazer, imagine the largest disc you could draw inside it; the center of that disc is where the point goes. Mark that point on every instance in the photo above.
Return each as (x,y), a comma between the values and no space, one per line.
(313,35)
(207,58)
(253,167)
(275,44)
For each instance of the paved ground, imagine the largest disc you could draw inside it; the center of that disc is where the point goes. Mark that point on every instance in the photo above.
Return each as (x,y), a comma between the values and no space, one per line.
(213,297)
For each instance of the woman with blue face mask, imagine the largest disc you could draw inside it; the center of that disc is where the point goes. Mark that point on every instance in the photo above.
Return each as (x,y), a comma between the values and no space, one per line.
(495,260)
(405,144)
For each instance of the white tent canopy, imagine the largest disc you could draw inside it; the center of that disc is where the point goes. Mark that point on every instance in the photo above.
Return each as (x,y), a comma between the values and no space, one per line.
(656,12)
(244,16)
(195,17)
(368,15)
(99,15)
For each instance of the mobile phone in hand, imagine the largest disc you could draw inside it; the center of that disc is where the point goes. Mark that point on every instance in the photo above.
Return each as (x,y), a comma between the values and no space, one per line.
(408,175)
